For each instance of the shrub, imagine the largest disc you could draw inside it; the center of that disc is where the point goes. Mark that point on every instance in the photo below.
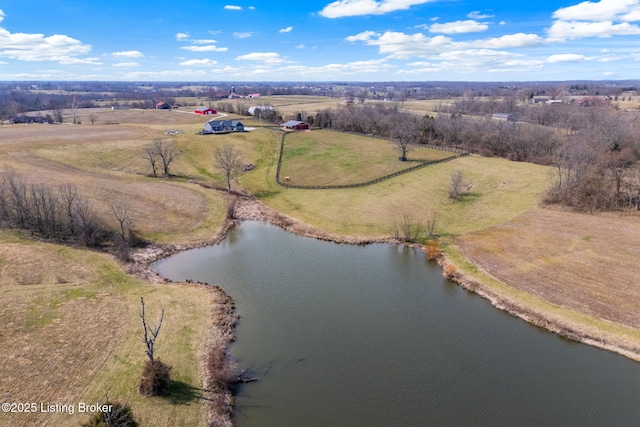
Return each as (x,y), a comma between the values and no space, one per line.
(450,271)
(120,415)
(155,379)
(433,249)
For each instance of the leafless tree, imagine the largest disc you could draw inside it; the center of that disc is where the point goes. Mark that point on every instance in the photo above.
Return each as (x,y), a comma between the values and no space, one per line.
(457,186)
(149,335)
(431,223)
(69,198)
(405,132)
(92,118)
(150,154)
(155,378)
(168,153)
(125,227)
(407,228)
(160,153)
(228,159)
(74,110)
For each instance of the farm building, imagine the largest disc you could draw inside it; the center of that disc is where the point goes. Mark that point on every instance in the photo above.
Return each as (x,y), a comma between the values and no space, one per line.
(205,110)
(252,110)
(505,117)
(163,106)
(295,125)
(223,126)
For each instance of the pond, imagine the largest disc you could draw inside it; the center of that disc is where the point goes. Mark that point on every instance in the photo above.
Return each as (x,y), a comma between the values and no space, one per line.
(373,335)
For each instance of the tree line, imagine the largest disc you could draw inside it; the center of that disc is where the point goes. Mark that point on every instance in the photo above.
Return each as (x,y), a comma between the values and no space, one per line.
(594,149)
(60,213)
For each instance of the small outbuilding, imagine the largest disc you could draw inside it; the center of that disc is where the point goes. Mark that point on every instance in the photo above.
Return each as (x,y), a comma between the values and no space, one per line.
(205,111)
(163,106)
(223,126)
(295,125)
(504,117)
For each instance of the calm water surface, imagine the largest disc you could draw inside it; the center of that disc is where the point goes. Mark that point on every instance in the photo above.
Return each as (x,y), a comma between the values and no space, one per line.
(374,336)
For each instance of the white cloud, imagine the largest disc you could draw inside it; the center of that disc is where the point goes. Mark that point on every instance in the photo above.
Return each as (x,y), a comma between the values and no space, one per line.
(402,46)
(37,47)
(2,15)
(267,57)
(342,8)
(210,48)
(603,10)
(300,46)
(286,30)
(232,7)
(182,36)
(362,37)
(477,15)
(128,54)
(459,27)
(199,63)
(566,57)
(242,34)
(127,64)
(162,75)
(470,61)
(571,30)
(632,16)
(204,41)
(509,41)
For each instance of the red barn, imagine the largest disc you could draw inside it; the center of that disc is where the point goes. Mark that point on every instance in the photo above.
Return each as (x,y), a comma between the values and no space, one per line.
(295,125)
(204,110)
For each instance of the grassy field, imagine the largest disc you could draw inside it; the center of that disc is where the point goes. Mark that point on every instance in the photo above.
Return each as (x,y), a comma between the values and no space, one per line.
(72,330)
(328,158)
(500,191)
(71,333)
(566,258)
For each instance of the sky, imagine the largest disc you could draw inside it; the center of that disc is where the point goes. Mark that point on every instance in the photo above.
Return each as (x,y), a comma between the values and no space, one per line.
(344,40)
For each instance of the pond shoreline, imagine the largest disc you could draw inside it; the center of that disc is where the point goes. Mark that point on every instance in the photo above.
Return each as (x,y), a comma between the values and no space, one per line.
(224,316)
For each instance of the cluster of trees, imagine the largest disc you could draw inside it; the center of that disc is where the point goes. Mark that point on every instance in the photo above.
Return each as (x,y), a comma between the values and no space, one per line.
(160,154)
(594,149)
(58,213)
(596,167)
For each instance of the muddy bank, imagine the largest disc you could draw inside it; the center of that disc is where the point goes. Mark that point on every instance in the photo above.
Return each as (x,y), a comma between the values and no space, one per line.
(561,326)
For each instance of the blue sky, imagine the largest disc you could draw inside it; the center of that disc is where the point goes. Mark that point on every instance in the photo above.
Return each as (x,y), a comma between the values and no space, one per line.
(344,40)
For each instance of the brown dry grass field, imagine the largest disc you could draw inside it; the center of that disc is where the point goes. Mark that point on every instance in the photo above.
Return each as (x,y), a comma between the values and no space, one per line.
(585,262)
(71,327)
(71,333)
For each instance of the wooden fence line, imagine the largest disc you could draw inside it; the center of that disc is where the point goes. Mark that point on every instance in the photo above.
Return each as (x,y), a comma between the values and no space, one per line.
(367,183)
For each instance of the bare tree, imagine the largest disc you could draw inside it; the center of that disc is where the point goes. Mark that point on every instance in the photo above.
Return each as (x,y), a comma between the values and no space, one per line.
(405,132)
(74,110)
(160,152)
(406,229)
(150,334)
(149,154)
(457,187)
(155,378)
(431,223)
(125,227)
(228,159)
